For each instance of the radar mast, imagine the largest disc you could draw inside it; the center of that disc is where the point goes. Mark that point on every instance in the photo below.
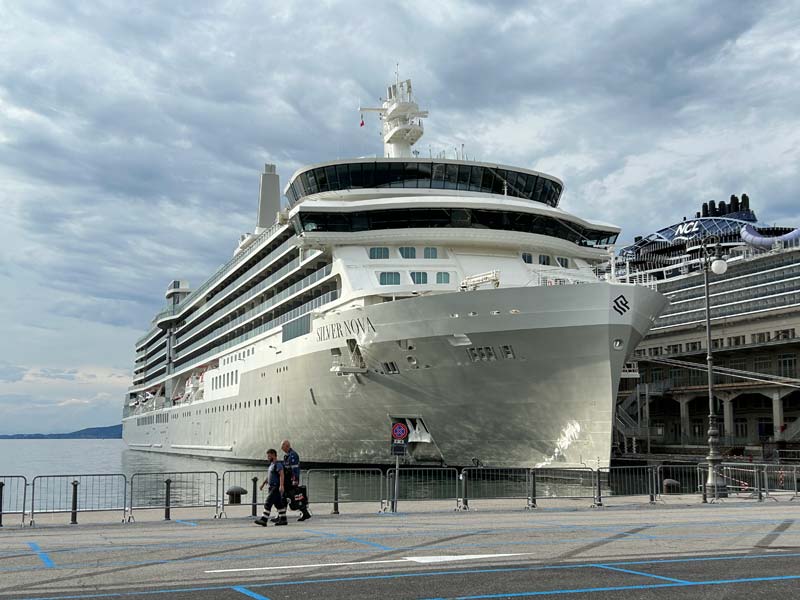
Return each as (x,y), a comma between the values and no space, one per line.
(401,119)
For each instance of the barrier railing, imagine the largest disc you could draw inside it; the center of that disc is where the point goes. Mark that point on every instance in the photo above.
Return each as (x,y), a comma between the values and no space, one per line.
(176,489)
(344,485)
(630,481)
(489,483)
(13,496)
(424,483)
(780,480)
(78,493)
(249,481)
(678,479)
(565,483)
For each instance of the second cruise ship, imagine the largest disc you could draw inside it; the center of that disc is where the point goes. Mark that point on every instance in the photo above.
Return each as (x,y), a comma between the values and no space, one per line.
(450,294)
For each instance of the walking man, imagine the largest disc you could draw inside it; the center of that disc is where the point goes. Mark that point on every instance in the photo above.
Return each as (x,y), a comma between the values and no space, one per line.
(275,480)
(292,462)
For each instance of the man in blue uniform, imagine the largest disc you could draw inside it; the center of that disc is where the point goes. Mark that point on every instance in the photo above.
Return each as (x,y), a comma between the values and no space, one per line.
(292,462)
(276,481)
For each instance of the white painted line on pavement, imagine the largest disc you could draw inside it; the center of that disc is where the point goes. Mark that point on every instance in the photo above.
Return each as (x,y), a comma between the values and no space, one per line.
(416,559)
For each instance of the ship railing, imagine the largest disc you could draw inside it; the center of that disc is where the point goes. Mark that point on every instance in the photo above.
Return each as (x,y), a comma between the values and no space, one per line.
(13,496)
(261,308)
(785,456)
(222,271)
(187,329)
(174,489)
(335,486)
(73,494)
(284,318)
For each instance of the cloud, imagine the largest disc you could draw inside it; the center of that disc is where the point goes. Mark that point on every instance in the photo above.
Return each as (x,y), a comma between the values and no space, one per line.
(11,373)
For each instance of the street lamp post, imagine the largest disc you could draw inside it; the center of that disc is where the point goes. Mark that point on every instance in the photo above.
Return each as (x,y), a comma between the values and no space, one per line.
(715,483)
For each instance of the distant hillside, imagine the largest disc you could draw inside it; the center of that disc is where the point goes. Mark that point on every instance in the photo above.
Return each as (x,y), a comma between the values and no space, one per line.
(92,433)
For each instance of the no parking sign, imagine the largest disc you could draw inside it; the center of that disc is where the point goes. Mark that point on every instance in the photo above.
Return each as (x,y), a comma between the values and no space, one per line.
(399,439)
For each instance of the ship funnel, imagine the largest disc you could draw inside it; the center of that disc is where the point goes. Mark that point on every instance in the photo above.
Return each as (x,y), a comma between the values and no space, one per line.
(269,198)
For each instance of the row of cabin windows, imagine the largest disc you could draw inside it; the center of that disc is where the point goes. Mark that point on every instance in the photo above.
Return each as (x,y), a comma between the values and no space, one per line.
(226,379)
(238,356)
(545,260)
(733,341)
(242,405)
(382,252)
(417,277)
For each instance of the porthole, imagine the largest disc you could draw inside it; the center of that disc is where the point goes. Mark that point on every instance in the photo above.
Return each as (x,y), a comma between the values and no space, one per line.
(514,311)
(617,344)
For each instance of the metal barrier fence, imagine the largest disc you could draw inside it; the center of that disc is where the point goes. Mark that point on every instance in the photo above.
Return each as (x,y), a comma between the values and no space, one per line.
(482,483)
(424,483)
(678,479)
(780,479)
(249,481)
(630,481)
(176,489)
(13,496)
(344,485)
(565,483)
(78,493)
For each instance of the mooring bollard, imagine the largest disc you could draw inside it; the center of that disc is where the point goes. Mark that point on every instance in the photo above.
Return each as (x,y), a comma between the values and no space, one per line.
(74,520)
(168,482)
(335,510)
(532,491)
(254,503)
(2,485)
(464,495)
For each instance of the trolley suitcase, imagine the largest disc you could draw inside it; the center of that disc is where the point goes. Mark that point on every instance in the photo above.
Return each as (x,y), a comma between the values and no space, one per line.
(299,498)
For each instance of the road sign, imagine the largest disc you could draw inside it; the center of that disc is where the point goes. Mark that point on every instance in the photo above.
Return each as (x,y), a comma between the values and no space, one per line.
(399,431)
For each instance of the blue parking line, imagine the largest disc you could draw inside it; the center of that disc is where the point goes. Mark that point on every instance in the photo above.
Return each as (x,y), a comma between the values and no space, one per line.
(620,588)
(350,539)
(251,593)
(41,554)
(610,568)
(186,523)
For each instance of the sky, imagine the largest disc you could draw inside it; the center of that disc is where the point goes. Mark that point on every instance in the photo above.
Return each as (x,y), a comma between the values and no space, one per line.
(132,136)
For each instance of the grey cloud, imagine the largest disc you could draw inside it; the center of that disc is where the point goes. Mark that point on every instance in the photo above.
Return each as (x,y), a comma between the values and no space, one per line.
(11,373)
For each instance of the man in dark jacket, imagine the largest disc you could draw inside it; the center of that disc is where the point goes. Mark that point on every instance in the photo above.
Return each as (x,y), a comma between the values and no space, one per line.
(276,482)
(291,460)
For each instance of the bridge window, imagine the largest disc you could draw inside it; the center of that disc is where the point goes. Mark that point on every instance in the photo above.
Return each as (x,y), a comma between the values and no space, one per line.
(431,253)
(527,257)
(563,261)
(443,278)
(544,259)
(419,277)
(390,278)
(379,253)
(408,252)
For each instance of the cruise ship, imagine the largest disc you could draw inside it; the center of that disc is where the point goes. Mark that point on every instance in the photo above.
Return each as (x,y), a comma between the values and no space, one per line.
(451,294)
(755,320)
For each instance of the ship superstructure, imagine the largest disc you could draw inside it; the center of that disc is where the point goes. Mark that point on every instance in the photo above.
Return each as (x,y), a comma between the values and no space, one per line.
(450,293)
(755,320)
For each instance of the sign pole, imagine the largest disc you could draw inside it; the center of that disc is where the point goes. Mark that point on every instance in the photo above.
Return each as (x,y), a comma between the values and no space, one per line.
(396,482)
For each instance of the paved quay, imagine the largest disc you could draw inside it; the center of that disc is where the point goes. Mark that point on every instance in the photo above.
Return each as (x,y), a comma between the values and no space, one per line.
(679,550)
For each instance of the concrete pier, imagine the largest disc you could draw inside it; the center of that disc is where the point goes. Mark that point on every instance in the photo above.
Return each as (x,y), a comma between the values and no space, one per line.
(675,550)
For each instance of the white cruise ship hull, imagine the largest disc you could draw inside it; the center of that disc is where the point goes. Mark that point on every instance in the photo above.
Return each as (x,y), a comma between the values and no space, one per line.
(549,401)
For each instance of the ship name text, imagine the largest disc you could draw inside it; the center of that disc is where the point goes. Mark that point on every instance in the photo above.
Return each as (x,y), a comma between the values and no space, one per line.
(340,329)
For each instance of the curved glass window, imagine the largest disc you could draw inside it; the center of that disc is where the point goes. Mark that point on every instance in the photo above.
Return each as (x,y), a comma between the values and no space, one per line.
(390,278)
(452,217)
(425,175)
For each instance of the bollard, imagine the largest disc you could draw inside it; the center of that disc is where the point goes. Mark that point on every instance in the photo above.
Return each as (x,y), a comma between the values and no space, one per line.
(254,503)
(335,510)
(74,519)
(2,485)
(705,493)
(168,482)
(598,501)
(464,497)
(532,498)
(758,477)
(652,484)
